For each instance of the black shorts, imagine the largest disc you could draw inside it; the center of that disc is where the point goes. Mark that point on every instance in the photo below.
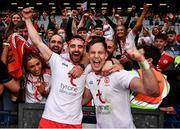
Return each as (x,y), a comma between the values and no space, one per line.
(4,75)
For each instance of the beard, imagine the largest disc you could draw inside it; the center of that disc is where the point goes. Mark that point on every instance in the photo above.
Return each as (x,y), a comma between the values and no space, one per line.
(76,59)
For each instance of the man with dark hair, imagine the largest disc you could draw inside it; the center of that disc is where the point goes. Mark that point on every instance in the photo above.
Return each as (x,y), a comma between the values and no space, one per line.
(111,93)
(173,47)
(56,43)
(141,101)
(160,42)
(82,31)
(63,106)
(98,30)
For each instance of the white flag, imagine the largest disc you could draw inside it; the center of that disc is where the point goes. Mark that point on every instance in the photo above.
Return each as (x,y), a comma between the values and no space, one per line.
(84,6)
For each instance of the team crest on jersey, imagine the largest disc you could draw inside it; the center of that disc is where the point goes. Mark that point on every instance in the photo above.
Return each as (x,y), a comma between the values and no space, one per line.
(106,81)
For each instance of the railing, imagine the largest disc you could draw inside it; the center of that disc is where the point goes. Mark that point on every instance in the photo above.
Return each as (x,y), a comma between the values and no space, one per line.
(30,114)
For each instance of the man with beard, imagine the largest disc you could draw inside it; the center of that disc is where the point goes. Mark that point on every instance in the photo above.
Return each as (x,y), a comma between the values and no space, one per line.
(63,106)
(56,43)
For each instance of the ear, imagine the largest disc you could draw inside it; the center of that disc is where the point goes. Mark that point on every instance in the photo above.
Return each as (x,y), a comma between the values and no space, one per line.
(150,60)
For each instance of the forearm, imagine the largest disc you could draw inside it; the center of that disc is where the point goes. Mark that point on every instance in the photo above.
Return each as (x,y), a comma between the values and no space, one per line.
(81,23)
(151,86)
(36,39)
(139,22)
(4,55)
(74,27)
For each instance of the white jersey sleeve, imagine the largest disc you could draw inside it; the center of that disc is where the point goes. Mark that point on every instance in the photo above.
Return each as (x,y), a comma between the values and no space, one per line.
(54,59)
(123,78)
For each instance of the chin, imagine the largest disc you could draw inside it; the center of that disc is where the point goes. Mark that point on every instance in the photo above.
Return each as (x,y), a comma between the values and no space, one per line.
(96,69)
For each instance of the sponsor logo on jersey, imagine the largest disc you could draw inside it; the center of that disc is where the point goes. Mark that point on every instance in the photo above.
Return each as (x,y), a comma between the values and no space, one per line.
(70,90)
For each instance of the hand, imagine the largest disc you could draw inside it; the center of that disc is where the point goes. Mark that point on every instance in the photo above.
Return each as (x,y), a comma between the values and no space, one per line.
(145,8)
(109,68)
(27,13)
(41,88)
(106,67)
(133,7)
(123,59)
(76,71)
(134,54)
(113,10)
(168,110)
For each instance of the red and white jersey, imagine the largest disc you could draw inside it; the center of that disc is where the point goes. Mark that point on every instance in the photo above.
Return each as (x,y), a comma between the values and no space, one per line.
(32,95)
(129,43)
(64,101)
(111,99)
(165,60)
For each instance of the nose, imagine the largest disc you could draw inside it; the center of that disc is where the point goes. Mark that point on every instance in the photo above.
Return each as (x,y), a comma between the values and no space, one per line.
(76,48)
(96,54)
(36,68)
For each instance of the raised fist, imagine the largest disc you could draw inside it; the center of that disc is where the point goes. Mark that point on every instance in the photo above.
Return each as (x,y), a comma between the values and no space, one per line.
(27,13)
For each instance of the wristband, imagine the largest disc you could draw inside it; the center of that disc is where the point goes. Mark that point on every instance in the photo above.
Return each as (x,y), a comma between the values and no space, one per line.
(82,66)
(144,65)
(6,44)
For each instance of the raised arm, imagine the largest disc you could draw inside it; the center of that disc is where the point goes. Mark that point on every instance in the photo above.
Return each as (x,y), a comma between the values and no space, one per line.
(34,35)
(148,85)
(140,19)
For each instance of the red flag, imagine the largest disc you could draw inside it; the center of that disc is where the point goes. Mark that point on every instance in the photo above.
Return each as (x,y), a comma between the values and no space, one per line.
(164,61)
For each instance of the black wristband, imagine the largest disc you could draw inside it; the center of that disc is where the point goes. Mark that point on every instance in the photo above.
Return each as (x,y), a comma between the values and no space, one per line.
(82,66)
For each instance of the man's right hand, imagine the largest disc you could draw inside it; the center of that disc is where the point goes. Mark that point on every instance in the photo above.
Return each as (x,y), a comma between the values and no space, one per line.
(27,13)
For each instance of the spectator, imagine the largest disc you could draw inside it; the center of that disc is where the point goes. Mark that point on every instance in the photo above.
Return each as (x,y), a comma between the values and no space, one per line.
(15,18)
(173,46)
(140,101)
(37,74)
(62,101)
(49,34)
(165,59)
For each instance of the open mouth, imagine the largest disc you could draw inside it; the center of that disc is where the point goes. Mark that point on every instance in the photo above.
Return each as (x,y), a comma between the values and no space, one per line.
(76,54)
(56,48)
(96,63)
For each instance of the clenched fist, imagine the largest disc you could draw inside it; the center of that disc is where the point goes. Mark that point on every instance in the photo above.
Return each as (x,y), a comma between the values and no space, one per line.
(27,13)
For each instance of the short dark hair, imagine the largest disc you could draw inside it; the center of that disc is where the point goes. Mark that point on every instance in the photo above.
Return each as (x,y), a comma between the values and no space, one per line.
(75,36)
(20,25)
(151,52)
(82,29)
(96,39)
(171,32)
(98,26)
(59,36)
(161,36)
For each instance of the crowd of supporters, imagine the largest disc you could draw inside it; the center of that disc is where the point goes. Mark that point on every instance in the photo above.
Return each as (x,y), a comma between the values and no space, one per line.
(25,76)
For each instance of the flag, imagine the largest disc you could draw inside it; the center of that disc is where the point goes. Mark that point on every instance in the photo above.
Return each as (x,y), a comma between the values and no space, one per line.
(15,54)
(164,61)
(83,6)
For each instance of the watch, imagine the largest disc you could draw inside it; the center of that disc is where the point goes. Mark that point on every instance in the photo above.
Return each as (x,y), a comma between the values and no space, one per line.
(82,66)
